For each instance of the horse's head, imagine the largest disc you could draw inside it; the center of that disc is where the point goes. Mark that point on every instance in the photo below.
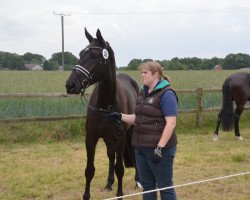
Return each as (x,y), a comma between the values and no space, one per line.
(92,66)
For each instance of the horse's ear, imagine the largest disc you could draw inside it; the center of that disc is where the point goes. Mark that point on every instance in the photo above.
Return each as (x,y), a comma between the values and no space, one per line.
(100,38)
(88,36)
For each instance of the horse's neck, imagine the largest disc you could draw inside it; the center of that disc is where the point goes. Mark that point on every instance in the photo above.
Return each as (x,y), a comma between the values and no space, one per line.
(106,92)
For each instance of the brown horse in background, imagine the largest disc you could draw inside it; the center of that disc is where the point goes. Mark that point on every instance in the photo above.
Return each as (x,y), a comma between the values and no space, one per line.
(235,88)
(111,93)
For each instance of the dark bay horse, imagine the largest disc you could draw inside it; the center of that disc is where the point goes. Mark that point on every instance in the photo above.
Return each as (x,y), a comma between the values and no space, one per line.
(235,88)
(111,93)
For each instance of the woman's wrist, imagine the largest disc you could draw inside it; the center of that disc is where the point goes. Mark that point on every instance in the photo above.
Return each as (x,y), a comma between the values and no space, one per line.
(160,145)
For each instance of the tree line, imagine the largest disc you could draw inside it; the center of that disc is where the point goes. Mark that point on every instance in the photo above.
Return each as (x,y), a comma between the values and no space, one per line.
(13,61)
(231,61)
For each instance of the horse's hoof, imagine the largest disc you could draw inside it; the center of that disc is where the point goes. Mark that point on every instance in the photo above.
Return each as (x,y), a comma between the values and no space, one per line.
(215,138)
(86,197)
(138,185)
(108,189)
(119,195)
(240,138)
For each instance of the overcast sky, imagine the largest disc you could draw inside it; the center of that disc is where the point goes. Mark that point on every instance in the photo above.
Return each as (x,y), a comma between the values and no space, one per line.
(157,29)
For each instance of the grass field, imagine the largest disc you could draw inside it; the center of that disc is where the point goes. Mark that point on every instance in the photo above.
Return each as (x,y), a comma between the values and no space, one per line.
(54,82)
(50,82)
(55,170)
(46,160)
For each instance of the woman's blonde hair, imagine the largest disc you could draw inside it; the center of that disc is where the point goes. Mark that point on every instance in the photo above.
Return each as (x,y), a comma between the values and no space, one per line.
(155,67)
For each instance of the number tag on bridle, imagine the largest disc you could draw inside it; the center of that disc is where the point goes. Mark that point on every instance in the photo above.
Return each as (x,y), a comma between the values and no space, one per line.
(105,54)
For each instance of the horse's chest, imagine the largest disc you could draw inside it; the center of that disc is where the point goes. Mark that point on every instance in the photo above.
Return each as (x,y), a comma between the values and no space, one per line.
(101,127)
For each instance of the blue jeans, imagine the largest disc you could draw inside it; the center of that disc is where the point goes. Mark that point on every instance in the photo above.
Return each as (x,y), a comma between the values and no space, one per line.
(159,175)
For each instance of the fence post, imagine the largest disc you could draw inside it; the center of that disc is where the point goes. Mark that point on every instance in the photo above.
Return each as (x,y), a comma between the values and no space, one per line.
(199,106)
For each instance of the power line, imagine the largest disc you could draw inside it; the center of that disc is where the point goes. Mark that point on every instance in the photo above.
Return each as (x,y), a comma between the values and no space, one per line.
(62,15)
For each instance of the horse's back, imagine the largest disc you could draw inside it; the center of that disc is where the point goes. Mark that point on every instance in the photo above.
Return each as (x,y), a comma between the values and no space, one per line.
(127,90)
(239,84)
(240,75)
(127,81)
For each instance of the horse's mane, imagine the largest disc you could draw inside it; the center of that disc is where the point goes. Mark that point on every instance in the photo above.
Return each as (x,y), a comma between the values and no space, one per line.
(112,55)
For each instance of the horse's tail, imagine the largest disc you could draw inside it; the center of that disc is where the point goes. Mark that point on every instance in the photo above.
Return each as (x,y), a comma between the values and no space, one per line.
(129,153)
(227,107)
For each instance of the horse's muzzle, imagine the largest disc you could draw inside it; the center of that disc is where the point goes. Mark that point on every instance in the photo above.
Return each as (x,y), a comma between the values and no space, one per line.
(71,88)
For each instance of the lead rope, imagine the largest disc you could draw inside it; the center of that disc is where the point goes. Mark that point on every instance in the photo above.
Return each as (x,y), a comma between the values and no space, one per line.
(97,110)
(119,130)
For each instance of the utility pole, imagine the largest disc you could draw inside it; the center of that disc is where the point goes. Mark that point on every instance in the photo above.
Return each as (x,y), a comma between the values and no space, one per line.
(62,21)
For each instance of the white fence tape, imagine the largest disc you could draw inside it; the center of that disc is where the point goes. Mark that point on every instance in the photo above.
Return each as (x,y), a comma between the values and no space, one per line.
(181,185)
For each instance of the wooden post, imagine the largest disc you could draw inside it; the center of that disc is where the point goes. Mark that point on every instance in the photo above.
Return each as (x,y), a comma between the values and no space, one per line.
(199,106)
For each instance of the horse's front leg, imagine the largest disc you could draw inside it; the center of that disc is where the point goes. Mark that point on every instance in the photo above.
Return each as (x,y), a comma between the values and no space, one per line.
(111,156)
(216,132)
(90,168)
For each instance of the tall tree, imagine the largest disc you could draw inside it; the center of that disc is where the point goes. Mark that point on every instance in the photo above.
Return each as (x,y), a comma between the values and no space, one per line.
(237,61)
(47,66)
(164,63)
(211,63)
(134,64)
(2,60)
(69,58)
(16,62)
(147,60)
(33,58)
(54,64)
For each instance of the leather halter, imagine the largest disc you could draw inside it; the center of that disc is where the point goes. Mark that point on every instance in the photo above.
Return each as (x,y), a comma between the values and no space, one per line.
(82,70)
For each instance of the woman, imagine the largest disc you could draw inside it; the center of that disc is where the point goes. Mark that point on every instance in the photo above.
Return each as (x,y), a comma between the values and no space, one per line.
(154,136)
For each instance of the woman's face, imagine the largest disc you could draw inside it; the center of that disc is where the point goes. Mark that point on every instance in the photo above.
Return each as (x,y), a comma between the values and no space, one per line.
(148,78)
